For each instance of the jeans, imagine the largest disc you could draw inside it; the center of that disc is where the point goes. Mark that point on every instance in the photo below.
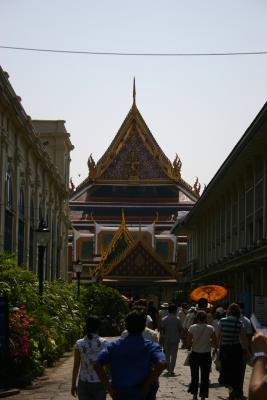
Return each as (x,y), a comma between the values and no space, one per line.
(232,368)
(200,361)
(170,350)
(91,391)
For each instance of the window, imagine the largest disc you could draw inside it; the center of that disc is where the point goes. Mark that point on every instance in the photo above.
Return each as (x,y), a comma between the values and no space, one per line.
(87,250)
(162,248)
(21,227)
(8,214)
(31,235)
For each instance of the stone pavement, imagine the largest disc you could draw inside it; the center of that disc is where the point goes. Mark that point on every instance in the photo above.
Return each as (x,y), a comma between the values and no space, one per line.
(56,383)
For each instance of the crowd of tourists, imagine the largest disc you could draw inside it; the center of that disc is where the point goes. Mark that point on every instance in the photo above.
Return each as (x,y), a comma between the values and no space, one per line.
(128,368)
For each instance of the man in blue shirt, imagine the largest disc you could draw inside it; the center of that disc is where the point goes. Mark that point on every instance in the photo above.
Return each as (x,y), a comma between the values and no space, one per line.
(135,363)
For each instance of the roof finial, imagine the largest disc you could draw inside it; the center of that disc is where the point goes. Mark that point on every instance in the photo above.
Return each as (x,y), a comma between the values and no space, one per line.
(134,91)
(122,217)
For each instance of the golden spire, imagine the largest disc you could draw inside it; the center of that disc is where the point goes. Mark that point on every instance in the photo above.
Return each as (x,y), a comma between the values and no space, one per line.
(122,217)
(134,92)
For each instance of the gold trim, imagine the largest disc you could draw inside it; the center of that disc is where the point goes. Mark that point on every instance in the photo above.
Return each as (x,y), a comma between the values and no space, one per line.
(121,231)
(135,119)
(152,253)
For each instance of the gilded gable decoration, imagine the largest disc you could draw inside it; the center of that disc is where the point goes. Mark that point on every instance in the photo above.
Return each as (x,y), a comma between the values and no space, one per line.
(119,243)
(134,156)
(134,91)
(197,187)
(72,186)
(139,260)
(132,166)
(177,165)
(91,167)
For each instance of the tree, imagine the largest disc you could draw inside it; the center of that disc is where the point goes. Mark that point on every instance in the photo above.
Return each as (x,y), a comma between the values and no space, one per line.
(109,305)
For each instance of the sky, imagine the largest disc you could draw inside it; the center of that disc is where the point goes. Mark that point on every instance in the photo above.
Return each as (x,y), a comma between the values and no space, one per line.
(197,107)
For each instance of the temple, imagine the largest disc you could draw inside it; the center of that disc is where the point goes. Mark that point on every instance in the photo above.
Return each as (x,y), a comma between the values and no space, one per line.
(122,214)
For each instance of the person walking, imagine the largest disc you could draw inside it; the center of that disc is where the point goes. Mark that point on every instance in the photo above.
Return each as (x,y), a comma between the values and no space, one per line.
(249,333)
(230,334)
(171,331)
(85,353)
(181,314)
(153,313)
(147,333)
(258,380)
(134,362)
(201,337)
(141,305)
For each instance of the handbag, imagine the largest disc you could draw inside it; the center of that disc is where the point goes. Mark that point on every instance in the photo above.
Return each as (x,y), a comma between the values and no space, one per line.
(187,359)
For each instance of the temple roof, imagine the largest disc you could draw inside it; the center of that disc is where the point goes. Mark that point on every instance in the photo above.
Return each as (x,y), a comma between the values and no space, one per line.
(118,245)
(134,158)
(140,256)
(134,117)
(139,259)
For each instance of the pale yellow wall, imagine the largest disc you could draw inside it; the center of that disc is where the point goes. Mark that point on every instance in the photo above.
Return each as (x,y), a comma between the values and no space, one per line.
(22,152)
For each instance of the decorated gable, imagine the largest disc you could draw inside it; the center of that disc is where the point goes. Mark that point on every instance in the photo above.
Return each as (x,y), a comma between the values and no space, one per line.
(134,161)
(119,244)
(139,261)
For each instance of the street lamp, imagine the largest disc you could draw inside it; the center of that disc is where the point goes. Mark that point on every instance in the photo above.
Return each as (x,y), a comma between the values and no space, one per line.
(77,268)
(42,241)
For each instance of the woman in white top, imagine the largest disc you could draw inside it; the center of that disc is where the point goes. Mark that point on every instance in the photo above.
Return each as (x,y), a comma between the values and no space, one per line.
(201,336)
(85,354)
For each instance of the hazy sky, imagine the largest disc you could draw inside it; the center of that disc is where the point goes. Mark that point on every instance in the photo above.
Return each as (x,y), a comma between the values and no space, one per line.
(198,107)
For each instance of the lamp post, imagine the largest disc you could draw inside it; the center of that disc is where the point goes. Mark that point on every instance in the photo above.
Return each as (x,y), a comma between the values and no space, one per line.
(77,268)
(42,240)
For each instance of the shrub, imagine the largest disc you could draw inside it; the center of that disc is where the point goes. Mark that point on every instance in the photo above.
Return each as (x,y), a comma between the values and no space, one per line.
(40,329)
(109,305)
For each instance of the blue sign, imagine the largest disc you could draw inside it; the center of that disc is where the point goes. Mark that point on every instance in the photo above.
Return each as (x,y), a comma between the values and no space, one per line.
(3,323)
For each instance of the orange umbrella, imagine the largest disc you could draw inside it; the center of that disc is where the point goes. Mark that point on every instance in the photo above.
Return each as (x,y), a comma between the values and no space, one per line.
(209,292)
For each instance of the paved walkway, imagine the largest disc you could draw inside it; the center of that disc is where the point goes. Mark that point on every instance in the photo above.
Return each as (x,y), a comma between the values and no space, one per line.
(56,383)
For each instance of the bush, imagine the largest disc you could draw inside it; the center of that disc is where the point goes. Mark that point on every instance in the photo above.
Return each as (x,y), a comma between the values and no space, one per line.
(40,329)
(109,305)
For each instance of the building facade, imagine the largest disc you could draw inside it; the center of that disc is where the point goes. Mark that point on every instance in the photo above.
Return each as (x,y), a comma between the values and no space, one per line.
(123,211)
(227,230)
(34,184)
